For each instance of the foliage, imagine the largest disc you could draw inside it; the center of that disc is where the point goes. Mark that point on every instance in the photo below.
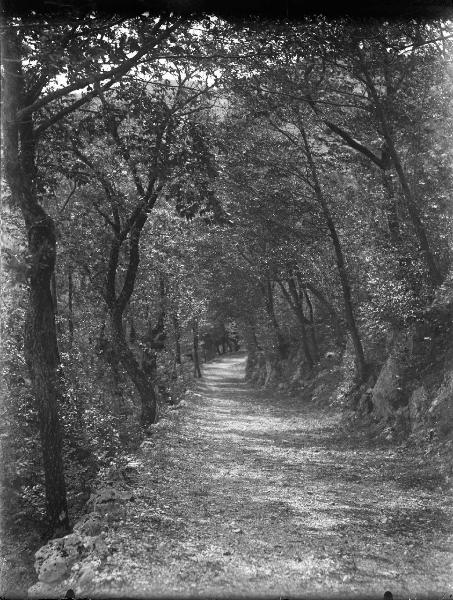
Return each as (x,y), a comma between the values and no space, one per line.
(282,199)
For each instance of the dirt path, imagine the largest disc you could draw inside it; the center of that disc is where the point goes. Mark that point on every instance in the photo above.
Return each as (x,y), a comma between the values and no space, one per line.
(253,494)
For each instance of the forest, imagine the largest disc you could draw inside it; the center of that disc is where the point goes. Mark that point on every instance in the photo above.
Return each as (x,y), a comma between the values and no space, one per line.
(195,205)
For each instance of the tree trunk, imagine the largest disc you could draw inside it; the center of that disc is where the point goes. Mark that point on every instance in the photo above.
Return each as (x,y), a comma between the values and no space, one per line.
(411,205)
(269,304)
(196,357)
(70,308)
(41,350)
(251,344)
(138,377)
(177,333)
(347,296)
(312,327)
(360,362)
(297,300)
(334,317)
(41,353)
(155,337)
(391,209)
(132,332)
(293,300)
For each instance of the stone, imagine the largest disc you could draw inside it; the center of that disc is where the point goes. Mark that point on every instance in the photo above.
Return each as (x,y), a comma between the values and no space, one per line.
(297,375)
(90,524)
(319,392)
(108,497)
(75,546)
(41,590)
(53,569)
(147,445)
(444,294)
(101,547)
(402,423)
(441,409)
(54,560)
(46,552)
(385,389)
(418,405)
(86,576)
(181,404)
(364,404)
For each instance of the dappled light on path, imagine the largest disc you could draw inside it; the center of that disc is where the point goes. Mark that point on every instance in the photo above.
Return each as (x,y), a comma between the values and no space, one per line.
(255,493)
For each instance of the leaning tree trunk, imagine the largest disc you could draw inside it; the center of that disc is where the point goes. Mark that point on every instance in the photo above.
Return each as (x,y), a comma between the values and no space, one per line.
(322,300)
(294,303)
(142,383)
(360,362)
(347,297)
(116,305)
(41,351)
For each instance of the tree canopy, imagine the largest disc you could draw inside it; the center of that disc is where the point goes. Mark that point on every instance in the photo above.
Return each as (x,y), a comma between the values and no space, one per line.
(177,186)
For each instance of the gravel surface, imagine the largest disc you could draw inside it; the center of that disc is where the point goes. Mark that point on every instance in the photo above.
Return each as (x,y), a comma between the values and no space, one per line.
(249,492)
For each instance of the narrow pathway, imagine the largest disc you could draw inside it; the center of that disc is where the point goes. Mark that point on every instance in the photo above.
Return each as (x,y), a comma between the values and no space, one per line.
(256,494)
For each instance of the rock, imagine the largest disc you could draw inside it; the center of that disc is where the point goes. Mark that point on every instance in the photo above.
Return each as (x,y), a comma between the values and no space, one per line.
(402,424)
(320,393)
(387,392)
(297,375)
(444,294)
(54,560)
(162,424)
(86,576)
(384,390)
(75,546)
(441,409)
(108,499)
(101,547)
(90,524)
(180,404)
(44,590)
(53,569)
(147,445)
(418,405)
(271,371)
(360,397)
(364,404)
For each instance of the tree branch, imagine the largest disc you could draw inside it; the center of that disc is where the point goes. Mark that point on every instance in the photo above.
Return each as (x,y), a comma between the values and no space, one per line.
(69,197)
(350,141)
(68,110)
(113,74)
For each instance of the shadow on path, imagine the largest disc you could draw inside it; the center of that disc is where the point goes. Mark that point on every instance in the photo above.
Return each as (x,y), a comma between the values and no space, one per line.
(255,493)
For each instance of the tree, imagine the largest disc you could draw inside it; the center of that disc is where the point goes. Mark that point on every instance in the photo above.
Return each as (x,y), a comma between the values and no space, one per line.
(153,161)
(35,59)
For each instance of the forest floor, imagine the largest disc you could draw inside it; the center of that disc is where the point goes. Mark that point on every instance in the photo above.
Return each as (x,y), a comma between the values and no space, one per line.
(251,492)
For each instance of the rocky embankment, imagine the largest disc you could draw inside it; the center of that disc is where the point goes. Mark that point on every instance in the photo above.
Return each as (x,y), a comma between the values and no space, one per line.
(69,566)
